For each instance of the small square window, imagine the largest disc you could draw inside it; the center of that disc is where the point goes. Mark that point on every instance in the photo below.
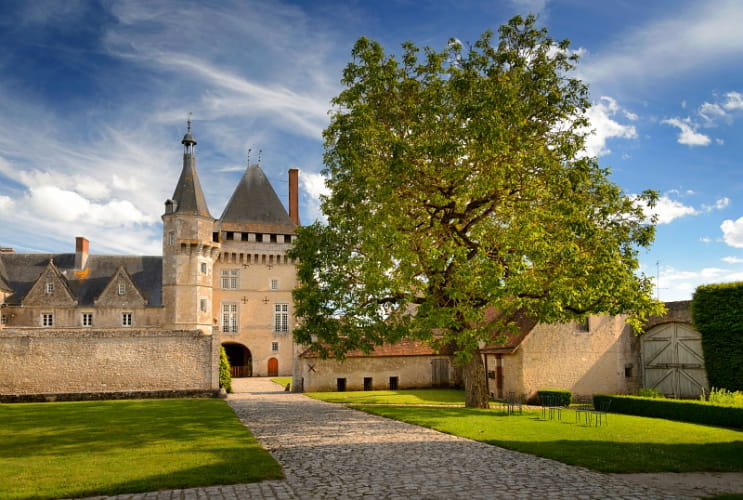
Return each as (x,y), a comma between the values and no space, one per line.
(122,289)
(274,347)
(47,319)
(126,319)
(202,305)
(203,268)
(87,319)
(583,326)
(49,288)
(3,319)
(274,284)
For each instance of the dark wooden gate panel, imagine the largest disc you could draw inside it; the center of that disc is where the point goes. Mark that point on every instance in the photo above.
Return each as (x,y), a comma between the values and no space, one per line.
(440,373)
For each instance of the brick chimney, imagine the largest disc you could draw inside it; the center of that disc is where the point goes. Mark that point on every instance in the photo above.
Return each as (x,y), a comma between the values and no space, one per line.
(294,195)
(81,252)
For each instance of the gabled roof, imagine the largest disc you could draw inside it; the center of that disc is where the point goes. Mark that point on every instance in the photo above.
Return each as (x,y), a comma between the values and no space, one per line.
(188,195)
(402,348)
(256,206)
(61,294)
(110,294)
(23,269)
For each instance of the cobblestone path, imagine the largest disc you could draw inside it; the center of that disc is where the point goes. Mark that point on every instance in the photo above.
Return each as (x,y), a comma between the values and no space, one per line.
(331,452)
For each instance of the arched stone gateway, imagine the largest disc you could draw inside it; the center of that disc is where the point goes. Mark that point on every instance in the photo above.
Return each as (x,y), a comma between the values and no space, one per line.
(241,360)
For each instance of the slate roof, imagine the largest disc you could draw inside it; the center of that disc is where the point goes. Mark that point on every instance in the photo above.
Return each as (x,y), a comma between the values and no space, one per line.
(21,270)
(255,205)
(188,195)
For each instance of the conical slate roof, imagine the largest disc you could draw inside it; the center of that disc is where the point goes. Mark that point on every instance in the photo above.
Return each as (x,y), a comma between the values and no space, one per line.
(188,196)
(255,205)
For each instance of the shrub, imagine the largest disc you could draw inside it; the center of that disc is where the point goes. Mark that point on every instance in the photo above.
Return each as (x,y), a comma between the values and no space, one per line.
(649,393)
(724,397)
(561,397)
(225,379)
(717,313)
(697,412)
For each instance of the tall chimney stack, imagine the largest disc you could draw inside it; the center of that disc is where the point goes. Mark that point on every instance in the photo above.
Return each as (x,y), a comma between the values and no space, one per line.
(81,252)
(294,195)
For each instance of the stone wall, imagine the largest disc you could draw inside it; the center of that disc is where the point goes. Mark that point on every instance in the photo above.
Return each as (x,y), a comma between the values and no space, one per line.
(85,360)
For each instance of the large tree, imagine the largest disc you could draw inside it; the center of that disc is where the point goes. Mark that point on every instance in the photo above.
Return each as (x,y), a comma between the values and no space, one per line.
(461,199)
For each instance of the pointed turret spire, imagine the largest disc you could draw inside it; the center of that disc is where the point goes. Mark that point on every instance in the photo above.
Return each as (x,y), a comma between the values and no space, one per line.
(188,196)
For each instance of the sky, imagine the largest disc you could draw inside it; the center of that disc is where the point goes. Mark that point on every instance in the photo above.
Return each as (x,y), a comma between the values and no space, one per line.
(95,95)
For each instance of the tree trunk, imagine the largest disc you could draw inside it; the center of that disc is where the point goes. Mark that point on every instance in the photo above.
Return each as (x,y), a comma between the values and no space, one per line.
(475,388)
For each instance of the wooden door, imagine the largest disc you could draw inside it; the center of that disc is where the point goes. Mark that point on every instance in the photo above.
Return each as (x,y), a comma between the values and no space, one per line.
(273,367)
(672,361)
(440,373)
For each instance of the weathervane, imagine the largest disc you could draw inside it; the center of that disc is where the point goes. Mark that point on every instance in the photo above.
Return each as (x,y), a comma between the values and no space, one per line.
(249,150)
(260,156)
(188,121)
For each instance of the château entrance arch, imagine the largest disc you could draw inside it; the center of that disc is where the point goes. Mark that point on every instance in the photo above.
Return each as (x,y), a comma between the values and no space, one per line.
(241,360)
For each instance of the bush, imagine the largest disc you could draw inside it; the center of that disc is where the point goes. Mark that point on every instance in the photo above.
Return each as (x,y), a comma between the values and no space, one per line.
(560,396)
(696,412)
(717,313)
(225,379)
(724,397)
(649,393)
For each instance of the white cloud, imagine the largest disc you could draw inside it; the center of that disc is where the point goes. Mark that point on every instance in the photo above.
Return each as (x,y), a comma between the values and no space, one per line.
(601,117)
(314,184)
(676,284)
(711,112)
(734,101)
(654,49)
(720,204)
(688,135)
(732,232)
(6,205)
(667,209)
(733,260)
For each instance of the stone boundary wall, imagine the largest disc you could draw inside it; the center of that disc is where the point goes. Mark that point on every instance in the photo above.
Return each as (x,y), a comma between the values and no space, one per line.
(49,364)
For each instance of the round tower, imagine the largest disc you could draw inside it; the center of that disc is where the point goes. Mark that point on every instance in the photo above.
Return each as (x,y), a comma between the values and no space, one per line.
(189,250)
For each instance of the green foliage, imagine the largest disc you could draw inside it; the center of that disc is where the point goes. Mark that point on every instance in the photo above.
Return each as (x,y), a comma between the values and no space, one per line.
(724,397)
(675,409)
(225,378)
(626,444)
(558,396)
(717,313)
(644,392)
(458,187)
(94,448)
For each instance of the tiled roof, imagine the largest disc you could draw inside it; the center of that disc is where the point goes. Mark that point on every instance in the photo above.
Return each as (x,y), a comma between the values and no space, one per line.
(188,195)
(23,269)
(402,348)
(254,202)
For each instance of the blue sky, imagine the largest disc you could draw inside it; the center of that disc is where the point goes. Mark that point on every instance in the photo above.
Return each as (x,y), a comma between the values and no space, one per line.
(94,98)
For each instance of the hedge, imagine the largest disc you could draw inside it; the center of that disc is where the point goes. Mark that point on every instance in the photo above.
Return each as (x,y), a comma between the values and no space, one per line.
(561,397)
(697,412)
(717,313)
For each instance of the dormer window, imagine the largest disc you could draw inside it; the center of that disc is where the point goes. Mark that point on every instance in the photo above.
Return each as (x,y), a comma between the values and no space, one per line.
(122,288)
(49,288)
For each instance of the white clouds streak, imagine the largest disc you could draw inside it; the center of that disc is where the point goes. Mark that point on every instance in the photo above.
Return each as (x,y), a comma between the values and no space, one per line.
(732,232)
(602,118)
(667,209)
(687,134)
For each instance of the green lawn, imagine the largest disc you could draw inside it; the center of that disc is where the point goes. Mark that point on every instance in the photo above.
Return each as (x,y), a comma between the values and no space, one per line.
(626,444)
(405,397)
(282,381)
(76,449)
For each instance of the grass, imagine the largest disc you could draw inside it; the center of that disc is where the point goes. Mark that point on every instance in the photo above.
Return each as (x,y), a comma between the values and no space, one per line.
(627,444)
(406,397)
(282,381)
(78,449)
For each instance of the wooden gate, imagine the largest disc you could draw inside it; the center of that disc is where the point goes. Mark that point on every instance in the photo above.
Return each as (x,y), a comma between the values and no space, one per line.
(672,361)
(440,373)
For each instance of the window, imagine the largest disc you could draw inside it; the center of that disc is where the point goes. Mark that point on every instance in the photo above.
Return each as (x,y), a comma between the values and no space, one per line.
(202,305)
(87,319)
(274,347)
(394,381)
(122,288)
(229,318)
(583,326)
(229,236)
(274,284)
(49,288)
(126,319)
(368,384)
(281,318)
(47,319)
(3,319)
(171,238)
(229,279)
(203,268)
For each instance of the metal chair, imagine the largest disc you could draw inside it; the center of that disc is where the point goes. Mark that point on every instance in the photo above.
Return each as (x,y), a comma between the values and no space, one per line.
(584,406)
(601,412)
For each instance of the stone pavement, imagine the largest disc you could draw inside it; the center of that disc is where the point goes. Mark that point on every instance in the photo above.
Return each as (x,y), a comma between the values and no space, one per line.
(331,452)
